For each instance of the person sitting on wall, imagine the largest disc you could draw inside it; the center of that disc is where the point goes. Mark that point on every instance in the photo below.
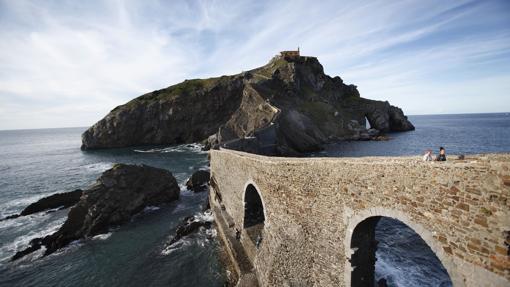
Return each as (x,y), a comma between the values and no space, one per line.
(428,155)
(442,155)
(258,241)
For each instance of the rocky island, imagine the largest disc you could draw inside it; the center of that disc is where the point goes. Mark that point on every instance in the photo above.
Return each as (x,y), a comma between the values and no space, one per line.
(118,194)
(287,107)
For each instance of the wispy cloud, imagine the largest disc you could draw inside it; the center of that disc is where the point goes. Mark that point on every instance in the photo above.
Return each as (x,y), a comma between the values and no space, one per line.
(67,63)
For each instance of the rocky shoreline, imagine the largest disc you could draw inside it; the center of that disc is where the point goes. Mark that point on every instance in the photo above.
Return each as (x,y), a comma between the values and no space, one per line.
(118,194)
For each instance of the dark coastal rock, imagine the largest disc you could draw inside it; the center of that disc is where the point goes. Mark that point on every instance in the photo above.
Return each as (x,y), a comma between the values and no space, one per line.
(382,283)
(59,200)
(287,107)
(64,200)
(373,132)
(381,138)
(198,181)
(35,244)
(117,195)
(10,217)
(189,225)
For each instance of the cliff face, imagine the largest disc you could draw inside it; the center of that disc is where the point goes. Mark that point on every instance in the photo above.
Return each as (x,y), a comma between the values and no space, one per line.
(286,107)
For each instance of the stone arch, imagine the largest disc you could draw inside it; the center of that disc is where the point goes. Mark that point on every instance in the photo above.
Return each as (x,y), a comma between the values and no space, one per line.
(368,124)
(255,214)
(366,218)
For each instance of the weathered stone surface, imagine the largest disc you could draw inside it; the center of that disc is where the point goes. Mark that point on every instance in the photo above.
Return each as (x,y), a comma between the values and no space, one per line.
(313,205)
(198,181)
(287,107)
(64,200)
(118,194)
(59,200)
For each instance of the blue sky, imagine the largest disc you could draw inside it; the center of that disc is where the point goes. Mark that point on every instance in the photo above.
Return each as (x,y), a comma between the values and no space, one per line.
(67,63)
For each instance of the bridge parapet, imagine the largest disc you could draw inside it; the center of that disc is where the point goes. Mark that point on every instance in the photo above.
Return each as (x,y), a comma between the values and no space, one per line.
(460,208)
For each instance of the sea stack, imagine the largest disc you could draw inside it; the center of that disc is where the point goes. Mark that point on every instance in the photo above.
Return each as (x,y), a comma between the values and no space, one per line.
(118,194)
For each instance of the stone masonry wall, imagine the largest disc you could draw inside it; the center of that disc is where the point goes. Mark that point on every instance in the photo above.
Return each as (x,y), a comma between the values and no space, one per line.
(312,205)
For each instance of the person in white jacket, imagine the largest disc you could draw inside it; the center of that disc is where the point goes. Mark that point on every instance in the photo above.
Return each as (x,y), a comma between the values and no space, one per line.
(428,155)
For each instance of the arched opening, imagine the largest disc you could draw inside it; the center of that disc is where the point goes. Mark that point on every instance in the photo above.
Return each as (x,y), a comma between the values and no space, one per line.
(367,123)
(254,217)
(387,252)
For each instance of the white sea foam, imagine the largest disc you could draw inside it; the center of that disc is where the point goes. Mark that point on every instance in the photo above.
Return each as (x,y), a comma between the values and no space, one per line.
(100,166)
(102,236)
(75,242)
(11,223)
(181,207)
(183,243)
(205,216)
(26,261)
(193,147)
(19,203)
(54,209)
(182,186)
(399,274)
(201,238)
(211,233)
(402,259)
(10,248)
(152,150)
(149,209)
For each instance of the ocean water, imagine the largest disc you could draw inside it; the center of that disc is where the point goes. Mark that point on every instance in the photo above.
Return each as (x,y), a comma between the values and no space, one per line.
(404,259)
(37,163)
(458,134)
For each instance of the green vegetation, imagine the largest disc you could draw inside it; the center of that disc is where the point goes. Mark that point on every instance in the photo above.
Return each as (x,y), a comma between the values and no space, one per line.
(117,165)
(182,89)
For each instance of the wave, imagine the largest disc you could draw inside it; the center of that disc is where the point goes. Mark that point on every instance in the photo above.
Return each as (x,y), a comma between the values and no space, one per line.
(102,236)
(16,205)
(183,243)
(404,259)
(412,275)
(202,238)
(206,216)
(98,167)
(149,209)
(21,242)
(193,147)
(182,206)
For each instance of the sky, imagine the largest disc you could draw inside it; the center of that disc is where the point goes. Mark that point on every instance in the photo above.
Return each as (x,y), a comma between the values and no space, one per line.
(68,63)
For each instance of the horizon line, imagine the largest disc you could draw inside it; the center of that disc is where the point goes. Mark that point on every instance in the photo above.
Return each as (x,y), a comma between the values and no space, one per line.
(413,115)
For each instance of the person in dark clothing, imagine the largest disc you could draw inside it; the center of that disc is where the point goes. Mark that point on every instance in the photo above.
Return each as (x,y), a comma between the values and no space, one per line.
(442,155)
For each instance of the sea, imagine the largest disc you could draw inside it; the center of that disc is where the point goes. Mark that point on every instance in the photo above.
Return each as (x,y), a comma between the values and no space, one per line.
(38,163)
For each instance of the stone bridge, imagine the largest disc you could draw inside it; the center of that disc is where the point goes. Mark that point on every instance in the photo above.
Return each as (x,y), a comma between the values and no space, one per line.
(310,221)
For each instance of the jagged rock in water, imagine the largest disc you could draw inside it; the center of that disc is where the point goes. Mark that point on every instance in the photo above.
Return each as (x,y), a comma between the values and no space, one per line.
(117,195)
(188,226)
(373,132)
(64,200)
(287,107)
(58,200)
(198,181)
(382,283)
